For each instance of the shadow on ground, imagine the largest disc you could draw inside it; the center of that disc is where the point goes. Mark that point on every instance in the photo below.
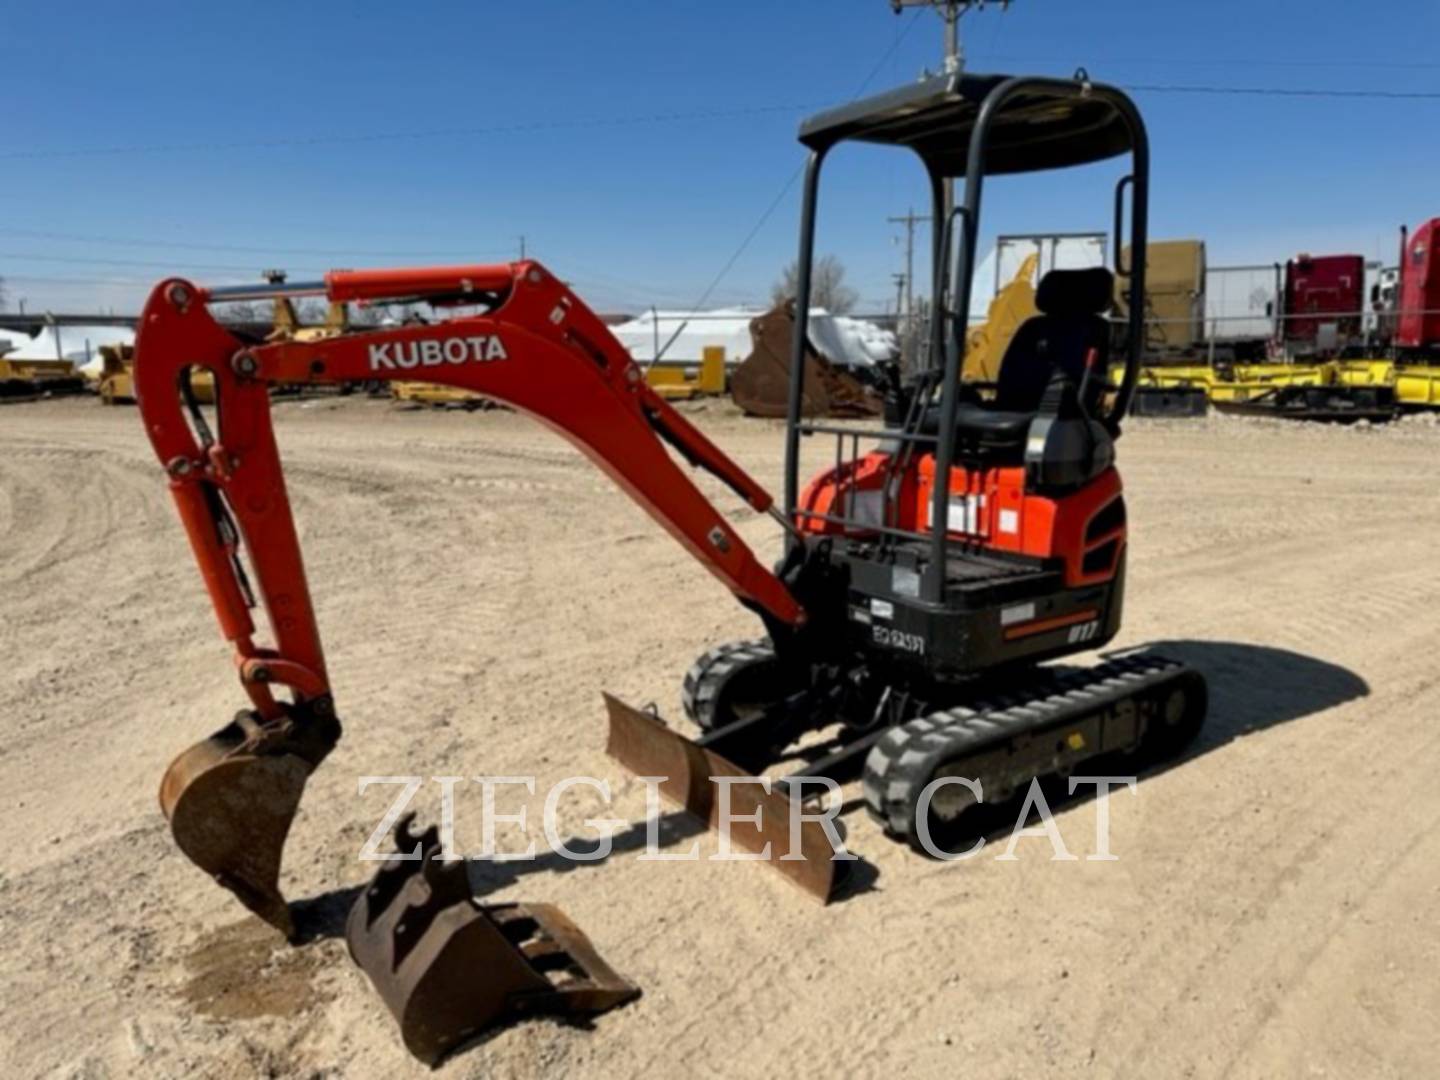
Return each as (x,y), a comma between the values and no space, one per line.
(1255,687)
(1252,688)
(323,916)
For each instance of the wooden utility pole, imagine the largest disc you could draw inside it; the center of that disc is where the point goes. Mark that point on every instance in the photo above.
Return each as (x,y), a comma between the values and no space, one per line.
(906,302)
(950,11)
(909,220)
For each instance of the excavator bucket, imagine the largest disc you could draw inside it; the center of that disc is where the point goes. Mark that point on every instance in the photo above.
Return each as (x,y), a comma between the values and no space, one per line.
(799,847)
(449,968)
(230,800)
(761,384)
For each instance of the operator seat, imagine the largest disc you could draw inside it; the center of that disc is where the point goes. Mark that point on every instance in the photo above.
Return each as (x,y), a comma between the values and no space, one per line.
(1057,341)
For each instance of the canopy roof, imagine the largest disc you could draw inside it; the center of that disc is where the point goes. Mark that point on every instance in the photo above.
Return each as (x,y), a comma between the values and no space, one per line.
(1049,124)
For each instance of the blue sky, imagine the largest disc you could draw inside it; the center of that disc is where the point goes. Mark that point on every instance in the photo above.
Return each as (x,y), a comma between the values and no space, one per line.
(219,139)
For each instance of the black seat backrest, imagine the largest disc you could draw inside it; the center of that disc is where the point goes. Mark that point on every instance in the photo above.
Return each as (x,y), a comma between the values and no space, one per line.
(1061,337)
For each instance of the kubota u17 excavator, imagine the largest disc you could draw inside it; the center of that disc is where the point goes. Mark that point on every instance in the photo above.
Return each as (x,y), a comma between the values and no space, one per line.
(927,573)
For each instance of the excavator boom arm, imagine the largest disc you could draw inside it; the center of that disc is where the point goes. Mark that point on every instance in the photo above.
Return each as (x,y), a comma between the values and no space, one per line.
(537,348)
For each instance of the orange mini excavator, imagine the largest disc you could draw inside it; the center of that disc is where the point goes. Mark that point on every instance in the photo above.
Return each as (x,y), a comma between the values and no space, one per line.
(927,575)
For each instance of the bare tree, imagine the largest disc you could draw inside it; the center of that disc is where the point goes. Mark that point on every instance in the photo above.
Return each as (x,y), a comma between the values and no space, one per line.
(311,311)
(241,311)
(366,315)
(827,286)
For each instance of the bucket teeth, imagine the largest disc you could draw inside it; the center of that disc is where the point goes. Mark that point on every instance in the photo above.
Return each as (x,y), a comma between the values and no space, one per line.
(448,967)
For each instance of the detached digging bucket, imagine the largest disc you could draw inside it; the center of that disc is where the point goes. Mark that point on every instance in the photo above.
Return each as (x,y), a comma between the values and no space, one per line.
(231,798)
(449,968)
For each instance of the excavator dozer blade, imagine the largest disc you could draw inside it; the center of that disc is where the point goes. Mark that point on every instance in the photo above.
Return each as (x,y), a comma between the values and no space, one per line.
(449,968)
(645,746)
(230,800)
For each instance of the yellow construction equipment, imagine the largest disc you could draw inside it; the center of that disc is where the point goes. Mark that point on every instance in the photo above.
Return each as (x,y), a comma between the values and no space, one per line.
(1237,382)
(673,381)
(1174,296)
(424,393)
(985,344)
(25,380)
(116,384)
(286,324)
(444,397)
(13,386)
(1331,390)
(1417,386)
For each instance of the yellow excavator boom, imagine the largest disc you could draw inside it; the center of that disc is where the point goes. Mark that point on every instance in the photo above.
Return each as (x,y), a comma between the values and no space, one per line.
(985,344)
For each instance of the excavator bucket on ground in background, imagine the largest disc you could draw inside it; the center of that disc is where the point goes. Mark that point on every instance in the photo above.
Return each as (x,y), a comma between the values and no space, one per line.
(449,968)
(761,384)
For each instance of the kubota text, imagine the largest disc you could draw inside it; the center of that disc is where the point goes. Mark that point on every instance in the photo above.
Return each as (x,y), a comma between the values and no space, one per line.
(389,355)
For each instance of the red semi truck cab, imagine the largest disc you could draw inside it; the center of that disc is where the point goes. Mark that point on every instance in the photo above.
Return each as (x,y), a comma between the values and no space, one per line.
(1418,325)
(1323,291)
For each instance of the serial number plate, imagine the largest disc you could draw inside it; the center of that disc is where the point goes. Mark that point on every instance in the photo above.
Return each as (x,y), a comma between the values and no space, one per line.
(898,639)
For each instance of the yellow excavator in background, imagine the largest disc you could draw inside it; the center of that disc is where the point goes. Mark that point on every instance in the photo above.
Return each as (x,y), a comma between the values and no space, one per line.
(286,324)
(985,344)
(116,384)
(25,379)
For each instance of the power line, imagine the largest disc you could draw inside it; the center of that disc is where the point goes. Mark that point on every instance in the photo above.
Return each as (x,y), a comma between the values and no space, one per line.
(412,136)
(1217,61)
(950,12)
(161,264)
(35,234)
(141,282)
(790,183)
(634,289)
(1277,91)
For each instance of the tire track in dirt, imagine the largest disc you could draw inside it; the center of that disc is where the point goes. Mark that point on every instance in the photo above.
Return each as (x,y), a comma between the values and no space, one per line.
(477,582)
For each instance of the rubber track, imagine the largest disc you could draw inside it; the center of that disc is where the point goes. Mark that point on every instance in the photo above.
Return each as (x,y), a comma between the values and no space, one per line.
(904,761)
(709,673)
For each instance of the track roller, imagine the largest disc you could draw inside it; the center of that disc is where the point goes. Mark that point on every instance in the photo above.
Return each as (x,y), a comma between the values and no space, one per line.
(1131,704)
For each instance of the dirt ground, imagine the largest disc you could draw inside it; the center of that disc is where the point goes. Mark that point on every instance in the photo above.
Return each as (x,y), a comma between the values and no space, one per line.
(1273,910)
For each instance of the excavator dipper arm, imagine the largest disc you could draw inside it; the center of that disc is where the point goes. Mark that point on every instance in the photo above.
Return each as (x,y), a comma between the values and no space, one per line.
(537,348)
